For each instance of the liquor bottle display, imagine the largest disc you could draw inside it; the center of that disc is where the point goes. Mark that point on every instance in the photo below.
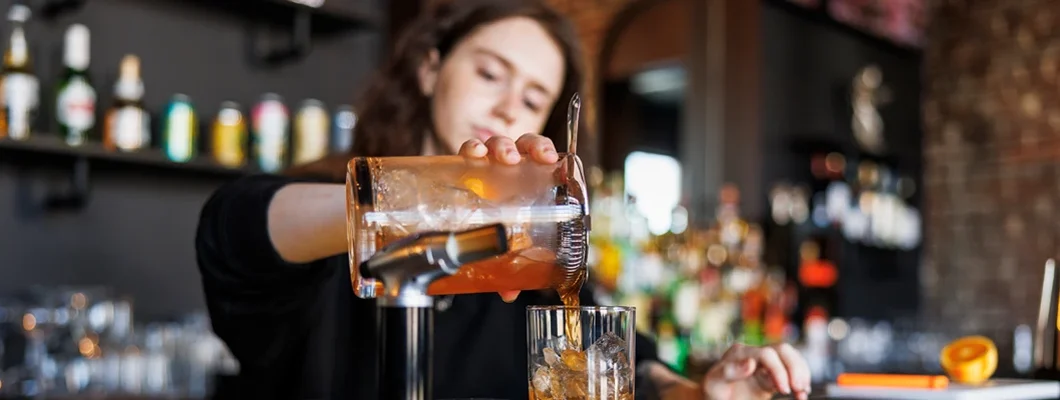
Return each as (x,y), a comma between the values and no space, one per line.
(128,125)
(697,288)
(266,138)
(75,103)
(21,88)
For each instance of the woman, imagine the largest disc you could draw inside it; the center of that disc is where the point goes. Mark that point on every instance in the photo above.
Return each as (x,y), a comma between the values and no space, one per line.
(471,77)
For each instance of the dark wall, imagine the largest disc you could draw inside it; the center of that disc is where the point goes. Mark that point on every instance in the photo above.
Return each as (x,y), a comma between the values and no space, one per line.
(136,234)
(808,64)
(807,67)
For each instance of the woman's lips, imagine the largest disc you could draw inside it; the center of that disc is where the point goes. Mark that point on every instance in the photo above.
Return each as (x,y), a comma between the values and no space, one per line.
(484,134)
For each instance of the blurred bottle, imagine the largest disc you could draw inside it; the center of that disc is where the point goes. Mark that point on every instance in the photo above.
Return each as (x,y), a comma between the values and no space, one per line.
(21,87)
(75,101)
(127,124)
(310,132)
(605,255)
(229,136)
(270,133)
(180,129)
(673,350)
(342,132)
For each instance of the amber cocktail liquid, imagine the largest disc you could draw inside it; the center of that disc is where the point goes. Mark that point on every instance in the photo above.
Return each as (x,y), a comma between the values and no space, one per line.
(596,365)
(543,208)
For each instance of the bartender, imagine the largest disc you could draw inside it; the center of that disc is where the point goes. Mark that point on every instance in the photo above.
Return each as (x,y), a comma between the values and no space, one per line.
(479,78)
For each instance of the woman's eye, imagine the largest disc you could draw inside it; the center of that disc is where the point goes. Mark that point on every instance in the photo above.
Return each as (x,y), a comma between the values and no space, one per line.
(532,106)
(487,75)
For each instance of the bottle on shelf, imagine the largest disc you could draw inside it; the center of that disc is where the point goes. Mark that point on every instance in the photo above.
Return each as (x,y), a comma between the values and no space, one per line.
(229,136)
(75,103)
(128,125)
(180,131)
(673,349)
(310,132)
(342,132)
(270,120)
(21,91)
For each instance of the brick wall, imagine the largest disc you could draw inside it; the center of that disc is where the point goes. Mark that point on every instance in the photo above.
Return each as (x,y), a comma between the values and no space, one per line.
(992,149)
(593,20)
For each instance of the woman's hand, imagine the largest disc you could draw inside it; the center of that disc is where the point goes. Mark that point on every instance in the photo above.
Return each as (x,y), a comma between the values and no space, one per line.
(746,372)
(503,150)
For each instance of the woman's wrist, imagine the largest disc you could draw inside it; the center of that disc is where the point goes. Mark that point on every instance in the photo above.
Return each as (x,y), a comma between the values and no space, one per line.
(670,385)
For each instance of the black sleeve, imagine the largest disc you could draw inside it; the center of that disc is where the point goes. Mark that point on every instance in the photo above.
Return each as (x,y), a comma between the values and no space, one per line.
(260,305)
(232,243)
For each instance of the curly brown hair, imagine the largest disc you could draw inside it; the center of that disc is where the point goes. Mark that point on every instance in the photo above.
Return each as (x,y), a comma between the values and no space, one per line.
(394,115)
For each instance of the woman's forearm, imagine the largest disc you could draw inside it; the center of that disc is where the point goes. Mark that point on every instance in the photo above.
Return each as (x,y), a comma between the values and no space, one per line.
(671,386)
(307,221)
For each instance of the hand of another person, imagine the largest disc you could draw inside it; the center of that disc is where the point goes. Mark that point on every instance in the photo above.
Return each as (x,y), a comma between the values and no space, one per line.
(503,150)
(747,372)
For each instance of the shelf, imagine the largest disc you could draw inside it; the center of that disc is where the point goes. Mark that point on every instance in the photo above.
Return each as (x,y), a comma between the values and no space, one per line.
(331,16)
(43,148)
(348,12)
(302,22)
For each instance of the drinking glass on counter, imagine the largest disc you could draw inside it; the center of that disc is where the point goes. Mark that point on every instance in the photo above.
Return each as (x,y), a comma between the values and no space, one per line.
(58,341)
(583,353)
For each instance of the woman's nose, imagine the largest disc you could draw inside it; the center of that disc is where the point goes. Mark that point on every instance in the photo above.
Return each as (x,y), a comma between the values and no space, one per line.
(505,109)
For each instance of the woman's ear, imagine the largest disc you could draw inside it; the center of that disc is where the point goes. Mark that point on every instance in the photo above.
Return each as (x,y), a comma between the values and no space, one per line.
(428,72)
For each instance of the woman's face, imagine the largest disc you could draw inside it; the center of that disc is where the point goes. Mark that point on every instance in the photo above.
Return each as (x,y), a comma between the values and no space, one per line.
(500,80)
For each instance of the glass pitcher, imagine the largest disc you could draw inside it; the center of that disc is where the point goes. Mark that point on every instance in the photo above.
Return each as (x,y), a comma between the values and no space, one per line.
(543,208)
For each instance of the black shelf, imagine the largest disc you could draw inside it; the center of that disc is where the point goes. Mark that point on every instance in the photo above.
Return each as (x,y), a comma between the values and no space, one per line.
(332,16)
(300,22)
(46,149)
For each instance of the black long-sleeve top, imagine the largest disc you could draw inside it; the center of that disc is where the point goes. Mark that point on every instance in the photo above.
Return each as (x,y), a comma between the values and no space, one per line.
(299,332)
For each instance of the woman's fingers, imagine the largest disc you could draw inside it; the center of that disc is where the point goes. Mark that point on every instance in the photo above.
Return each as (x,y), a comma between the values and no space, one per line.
(473,148)
(798,369)
(540,148)
(769,360)
(503,150)
(771,369)
(739,369)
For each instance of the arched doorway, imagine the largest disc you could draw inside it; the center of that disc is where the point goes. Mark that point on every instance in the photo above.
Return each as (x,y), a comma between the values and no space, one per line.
(642,78)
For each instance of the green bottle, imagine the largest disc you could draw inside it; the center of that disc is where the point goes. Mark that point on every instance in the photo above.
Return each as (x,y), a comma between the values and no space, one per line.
(673,348)
(75,101)
(180,130)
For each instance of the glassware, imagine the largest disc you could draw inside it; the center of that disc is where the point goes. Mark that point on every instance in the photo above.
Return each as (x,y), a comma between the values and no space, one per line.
(544,209)
(581,352)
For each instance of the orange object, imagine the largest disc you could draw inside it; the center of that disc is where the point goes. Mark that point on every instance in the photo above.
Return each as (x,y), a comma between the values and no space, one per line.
(894,380)
(818,273)
(970,359)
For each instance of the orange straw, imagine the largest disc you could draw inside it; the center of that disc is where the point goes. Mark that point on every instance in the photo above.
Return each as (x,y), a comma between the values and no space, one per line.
(894,380)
